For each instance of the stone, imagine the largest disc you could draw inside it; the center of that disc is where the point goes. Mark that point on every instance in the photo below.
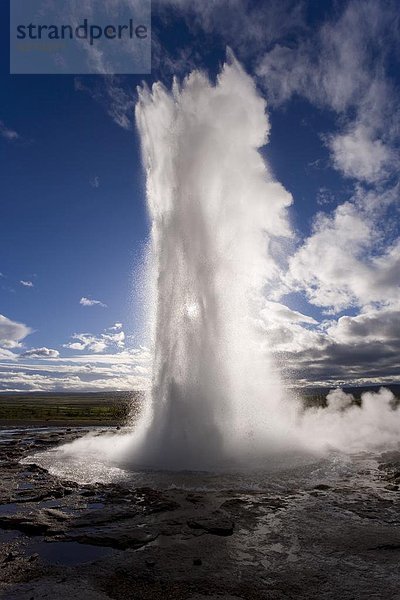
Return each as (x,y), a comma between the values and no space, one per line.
(150,562)
(120,536)
(217,523)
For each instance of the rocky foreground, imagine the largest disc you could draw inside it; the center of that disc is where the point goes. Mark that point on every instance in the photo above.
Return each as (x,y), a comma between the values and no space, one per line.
(333,539)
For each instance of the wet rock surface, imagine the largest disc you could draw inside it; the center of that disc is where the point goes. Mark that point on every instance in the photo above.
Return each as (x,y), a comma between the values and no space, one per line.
(299,536)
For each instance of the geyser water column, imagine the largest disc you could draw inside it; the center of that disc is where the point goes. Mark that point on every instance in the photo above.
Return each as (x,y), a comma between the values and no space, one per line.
(214,208)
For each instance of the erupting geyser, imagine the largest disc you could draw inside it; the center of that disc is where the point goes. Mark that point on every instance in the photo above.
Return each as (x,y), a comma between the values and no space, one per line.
(216,213)
(214,208)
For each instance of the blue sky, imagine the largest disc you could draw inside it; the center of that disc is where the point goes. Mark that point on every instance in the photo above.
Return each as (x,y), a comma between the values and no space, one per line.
(73,221)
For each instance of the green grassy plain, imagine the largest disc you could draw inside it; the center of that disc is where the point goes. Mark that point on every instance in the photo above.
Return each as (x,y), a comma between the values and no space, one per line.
(111,408)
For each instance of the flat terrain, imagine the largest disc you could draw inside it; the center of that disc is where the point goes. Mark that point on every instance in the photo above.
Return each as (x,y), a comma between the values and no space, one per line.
(111,408)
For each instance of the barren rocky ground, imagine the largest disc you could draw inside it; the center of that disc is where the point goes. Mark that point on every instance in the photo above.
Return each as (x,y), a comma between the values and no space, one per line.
(304,535)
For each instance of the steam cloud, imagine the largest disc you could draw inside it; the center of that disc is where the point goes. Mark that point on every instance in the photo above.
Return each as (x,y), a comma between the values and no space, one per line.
(346,426)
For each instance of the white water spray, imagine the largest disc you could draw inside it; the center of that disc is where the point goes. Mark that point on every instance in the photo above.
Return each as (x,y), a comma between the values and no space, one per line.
(214,208)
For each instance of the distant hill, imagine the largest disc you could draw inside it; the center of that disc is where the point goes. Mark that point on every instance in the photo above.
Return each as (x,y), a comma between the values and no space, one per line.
(355,390)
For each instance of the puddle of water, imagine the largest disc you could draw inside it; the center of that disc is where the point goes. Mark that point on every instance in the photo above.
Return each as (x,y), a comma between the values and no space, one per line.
(25,486)
(8,536)
(95,505)
(69,553)
(49,504)
(6,509)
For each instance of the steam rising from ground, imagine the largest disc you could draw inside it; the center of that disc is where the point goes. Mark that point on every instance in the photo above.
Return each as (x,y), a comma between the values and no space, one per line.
(347,426)
(215,213)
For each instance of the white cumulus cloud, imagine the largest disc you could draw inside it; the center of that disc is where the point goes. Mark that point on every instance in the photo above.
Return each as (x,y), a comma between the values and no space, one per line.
(97,343)
(351,257)
(357,154)
(40,353)
(343,65)
(12,332)
(90,302)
